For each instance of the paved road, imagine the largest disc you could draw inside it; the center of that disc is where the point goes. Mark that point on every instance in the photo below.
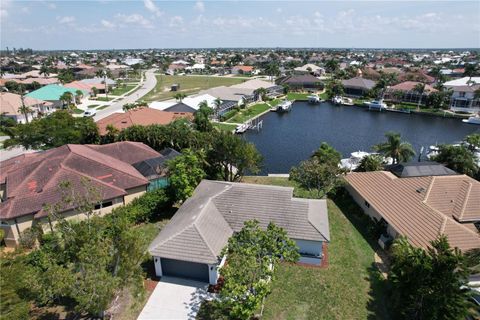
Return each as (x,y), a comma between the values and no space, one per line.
(146,86)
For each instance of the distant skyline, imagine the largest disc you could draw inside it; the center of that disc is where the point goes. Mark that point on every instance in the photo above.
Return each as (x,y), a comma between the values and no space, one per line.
(56,25)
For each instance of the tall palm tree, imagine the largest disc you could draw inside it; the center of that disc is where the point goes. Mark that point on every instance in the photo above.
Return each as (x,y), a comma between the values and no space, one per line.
(419,89)
(24,109)
(104,73)
(395,148)
(470,71)
(66,99)
(217,103)
(179,96)
(44,70)
(78,96)
(262,92)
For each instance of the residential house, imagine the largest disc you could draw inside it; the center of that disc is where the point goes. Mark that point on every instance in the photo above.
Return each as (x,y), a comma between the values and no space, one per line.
(309,68)
(53,93)
(30,181)
(461,82)
(464,100)
(247,70)
(405,92)
(420,206)
(11,104)
(141,117)
(189,104)
(230,96)
(190,245)
(301,82)
(255,85)
(357,86)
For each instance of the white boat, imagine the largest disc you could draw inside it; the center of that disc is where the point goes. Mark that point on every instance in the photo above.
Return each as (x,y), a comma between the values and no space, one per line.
(313,99)
(376,105)
(284,106)
(347,101)
(337,100)
(432,151)
(353,162)
(472,120)
(241,128)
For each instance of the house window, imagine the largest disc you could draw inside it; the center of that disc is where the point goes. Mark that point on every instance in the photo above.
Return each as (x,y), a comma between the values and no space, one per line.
(462,94)
(104,205)
(4,223)
(367,204)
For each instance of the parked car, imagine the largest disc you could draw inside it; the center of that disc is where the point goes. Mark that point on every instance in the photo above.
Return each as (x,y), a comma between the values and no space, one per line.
(90,113)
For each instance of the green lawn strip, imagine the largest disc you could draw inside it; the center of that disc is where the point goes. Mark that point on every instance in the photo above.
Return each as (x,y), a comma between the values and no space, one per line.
(349,288)
(104,98)
(249,113)
(188,85)
(224,126)
(103,107)
(92,106)
(78,111)
(121,90)
(298,96)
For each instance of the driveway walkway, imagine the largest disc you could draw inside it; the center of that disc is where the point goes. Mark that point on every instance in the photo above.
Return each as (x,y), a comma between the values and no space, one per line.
(145,87)
(175,299)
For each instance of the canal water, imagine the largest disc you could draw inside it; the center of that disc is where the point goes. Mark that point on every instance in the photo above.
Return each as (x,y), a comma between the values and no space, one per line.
(286,139)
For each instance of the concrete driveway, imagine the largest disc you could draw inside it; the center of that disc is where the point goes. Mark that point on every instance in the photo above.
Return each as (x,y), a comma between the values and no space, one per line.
(175,298)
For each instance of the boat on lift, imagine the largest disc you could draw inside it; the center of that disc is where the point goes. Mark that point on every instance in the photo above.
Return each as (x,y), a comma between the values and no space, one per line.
(313,99)
(472,120)
(284,106)
(377,105)
(241,128)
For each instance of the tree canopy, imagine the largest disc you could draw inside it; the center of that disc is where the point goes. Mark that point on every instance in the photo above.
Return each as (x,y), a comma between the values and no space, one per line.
(395,148)
(458,158)
(184,173)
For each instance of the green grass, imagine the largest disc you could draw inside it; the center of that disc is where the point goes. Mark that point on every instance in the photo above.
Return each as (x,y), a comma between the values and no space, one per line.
(78,111)
(188,85)
(349,288)
(298,95)
(249,113)
(92,106)
(121,90)
(103,107)
(224,126)
(104,99)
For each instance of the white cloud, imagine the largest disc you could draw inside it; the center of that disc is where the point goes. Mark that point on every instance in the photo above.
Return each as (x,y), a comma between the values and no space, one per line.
(279,10)
(107,24)
(52,6)
(3,13)
(199,6)
(150,5)
(66,20)
(176,21)
(25,10)
(135,19)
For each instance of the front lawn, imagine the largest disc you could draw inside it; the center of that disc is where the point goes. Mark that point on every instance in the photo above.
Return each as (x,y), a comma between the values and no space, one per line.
(224,126)
(298,95)
(188,85)
(78,111)
(249,113)
(121,90)
(104,99)
(349,288)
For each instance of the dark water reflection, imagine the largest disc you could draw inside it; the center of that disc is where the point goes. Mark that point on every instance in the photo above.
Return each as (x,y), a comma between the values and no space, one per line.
(287,139)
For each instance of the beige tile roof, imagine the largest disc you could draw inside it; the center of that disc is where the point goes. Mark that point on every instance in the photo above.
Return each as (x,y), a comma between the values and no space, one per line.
(10,103)
(421,208)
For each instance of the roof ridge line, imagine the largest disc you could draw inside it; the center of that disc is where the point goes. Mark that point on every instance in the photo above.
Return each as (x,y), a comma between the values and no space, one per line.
(465,199)
(430,187)
(91,178)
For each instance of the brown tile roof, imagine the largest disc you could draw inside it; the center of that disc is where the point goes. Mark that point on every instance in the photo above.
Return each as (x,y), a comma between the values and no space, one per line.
(32,180)
(421,208)
(410,86)
(244,68)
(140,116)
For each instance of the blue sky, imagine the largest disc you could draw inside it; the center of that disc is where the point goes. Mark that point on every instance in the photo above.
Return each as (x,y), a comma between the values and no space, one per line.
(186,24)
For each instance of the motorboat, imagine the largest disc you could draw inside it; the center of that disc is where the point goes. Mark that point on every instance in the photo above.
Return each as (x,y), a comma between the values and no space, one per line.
(313,99)
(472,120)
(353,162)
(284,106)
(241,128)
(432,151)
(347,101)
(337,100)
(376,105)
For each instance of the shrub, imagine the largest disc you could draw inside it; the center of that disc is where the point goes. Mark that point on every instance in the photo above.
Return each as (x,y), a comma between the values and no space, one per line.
(29,237)
(2,235)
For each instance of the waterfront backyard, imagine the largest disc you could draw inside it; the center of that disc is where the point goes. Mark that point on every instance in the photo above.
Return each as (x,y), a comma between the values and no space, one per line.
(188,85)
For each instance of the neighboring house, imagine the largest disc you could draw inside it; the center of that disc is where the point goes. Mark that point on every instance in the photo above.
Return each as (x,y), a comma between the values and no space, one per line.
(309,68)
(52,93)
(99,83)
(302,82)
(85,87)
(463,98)
(141,117)
(189,104)
(462,82)
(30,181)
(358,86)
(155,169)
(190,244)
(230,96)
(11,103)
(421,207)
(40,81)
(243,70)
(405,92)
(273,90)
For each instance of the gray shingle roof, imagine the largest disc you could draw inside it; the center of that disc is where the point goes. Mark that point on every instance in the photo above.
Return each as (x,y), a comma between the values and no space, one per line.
(201,227)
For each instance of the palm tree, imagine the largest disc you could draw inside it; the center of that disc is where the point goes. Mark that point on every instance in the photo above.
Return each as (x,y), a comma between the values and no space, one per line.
(179,96)
(78,96)
(395,148)
(104,73)
(419,89)
(44,70)
(25,110)
(470,71)
(94,91)
(217,103)
(66,99)
(262,93)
